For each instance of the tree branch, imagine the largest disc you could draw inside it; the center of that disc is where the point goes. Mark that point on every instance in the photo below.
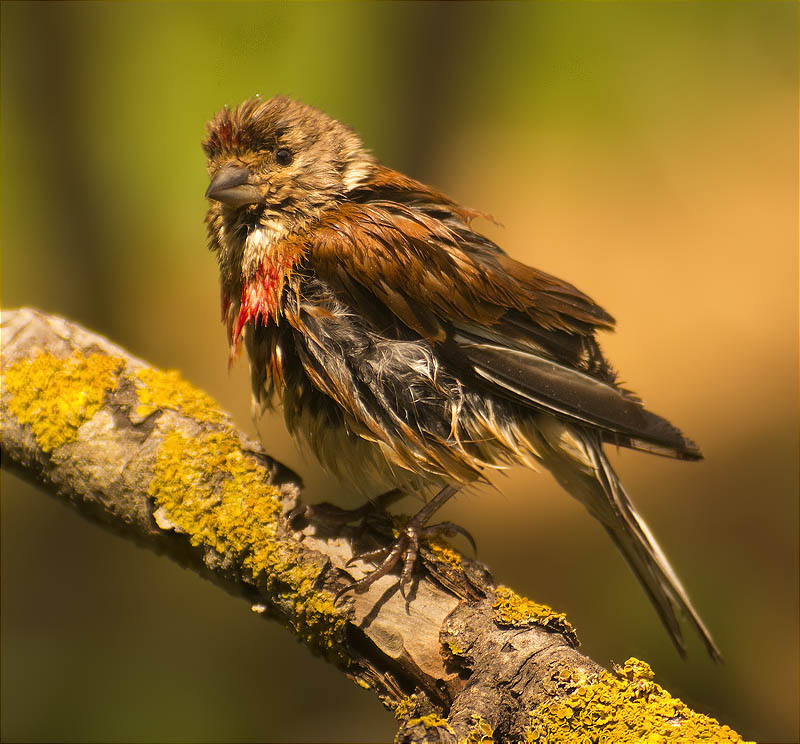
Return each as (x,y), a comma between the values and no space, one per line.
(144,453)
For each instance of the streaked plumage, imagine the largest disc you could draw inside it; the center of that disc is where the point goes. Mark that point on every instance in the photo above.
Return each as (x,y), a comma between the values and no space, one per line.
(407,349)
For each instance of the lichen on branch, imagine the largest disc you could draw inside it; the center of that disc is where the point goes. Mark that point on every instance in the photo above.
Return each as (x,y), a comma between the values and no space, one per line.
(206,488)
(144,452)
(55,397)
(626,707)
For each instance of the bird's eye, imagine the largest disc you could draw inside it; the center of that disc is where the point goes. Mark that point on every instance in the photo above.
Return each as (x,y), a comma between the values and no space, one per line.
(283,156)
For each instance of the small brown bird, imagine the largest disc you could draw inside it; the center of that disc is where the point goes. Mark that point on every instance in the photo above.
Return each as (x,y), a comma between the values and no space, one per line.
(408,350)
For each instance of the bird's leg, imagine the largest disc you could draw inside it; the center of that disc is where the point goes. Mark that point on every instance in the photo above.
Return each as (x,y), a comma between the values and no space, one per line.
(406,546)
(448,529)
(335,516)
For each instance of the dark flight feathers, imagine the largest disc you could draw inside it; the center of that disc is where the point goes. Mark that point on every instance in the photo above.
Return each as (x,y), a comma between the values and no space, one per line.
(525,334)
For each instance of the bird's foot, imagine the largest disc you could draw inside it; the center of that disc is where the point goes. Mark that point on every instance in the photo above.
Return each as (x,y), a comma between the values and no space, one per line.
(404,550)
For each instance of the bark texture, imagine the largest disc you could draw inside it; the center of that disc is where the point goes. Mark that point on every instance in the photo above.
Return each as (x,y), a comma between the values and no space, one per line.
(147,455)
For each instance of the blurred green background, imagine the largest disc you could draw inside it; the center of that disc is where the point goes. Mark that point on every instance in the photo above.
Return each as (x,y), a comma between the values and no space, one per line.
(647,152)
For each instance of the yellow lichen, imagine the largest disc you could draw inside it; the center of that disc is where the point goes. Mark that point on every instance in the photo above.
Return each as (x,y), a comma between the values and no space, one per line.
(160,389)
(431,721)
(623,708)
(55,397)
(480,731)
(443,553)
(207,488)
(455,649)
(518,612)
(406,707)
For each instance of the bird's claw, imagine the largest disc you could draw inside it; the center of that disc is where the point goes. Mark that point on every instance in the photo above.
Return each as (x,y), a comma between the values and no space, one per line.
(298,512)
(405,548)
(370,556)
(449,529)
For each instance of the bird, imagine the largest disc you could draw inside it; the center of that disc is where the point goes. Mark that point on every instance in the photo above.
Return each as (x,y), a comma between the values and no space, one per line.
(409,352)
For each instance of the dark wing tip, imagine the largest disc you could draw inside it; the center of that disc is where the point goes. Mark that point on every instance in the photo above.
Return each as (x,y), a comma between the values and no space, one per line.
(692,451)
(657,435)
(573,394)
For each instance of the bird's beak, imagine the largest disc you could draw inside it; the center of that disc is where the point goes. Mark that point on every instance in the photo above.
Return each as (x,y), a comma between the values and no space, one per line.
(231,186)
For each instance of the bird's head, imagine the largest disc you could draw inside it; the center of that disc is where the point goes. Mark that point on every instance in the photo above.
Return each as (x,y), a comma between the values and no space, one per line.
(274,165)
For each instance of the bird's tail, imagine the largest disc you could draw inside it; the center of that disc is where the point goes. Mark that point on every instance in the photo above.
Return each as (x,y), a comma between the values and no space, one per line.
(575,457)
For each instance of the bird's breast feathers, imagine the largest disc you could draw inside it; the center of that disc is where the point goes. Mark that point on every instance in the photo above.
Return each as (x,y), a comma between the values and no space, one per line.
(266,265)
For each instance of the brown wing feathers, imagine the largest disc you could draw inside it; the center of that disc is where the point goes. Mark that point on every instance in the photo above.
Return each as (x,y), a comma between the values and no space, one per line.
(527,335)
(396,251)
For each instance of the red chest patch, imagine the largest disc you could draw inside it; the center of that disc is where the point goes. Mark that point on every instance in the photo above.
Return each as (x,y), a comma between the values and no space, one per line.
(260,298)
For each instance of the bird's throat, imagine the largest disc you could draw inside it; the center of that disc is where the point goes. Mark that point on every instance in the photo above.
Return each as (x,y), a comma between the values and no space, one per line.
(260,299)
(265,273)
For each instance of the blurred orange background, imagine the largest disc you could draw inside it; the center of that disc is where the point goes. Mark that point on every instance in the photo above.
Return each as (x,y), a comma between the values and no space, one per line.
(646,152)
